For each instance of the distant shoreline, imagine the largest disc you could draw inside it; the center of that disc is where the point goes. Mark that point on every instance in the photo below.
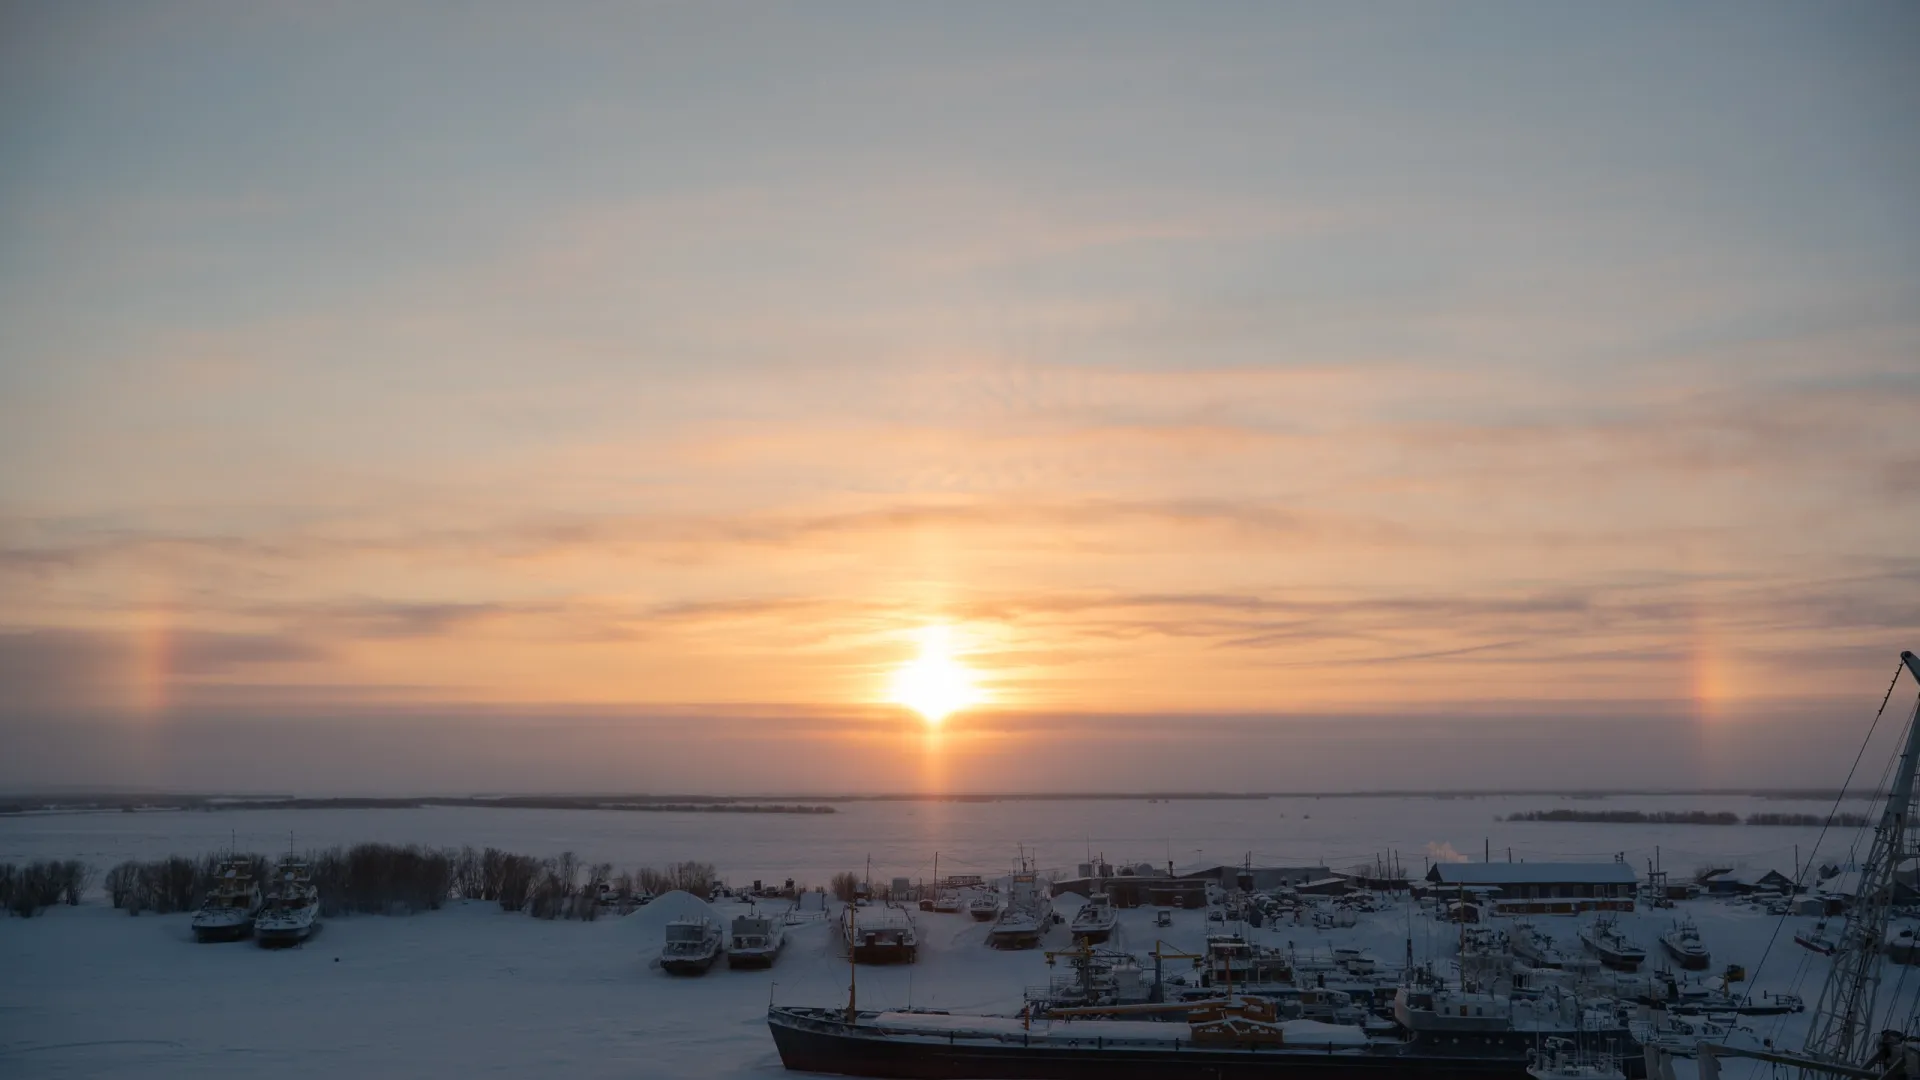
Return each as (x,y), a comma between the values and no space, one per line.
(100,801)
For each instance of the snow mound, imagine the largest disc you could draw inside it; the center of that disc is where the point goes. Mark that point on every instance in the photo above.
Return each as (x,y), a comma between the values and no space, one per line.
(647,926)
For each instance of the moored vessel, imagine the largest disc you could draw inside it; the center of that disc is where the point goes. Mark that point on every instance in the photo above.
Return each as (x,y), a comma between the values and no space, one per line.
(1095,920)
(1604,940)
(228,910)
(1684,945)
(692,945)
(754,941)
(292,908)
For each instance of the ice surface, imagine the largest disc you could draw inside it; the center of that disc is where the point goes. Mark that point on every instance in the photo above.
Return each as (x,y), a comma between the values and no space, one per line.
(473,992)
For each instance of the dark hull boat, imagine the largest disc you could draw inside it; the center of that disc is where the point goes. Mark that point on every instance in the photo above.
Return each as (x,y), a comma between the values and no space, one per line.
(939,1046)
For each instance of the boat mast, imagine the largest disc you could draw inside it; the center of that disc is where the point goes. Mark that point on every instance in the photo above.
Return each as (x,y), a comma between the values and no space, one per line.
(1842,1029)
(853,1011)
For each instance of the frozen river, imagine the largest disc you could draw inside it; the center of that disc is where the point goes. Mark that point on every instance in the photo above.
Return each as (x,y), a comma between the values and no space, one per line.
(473,992)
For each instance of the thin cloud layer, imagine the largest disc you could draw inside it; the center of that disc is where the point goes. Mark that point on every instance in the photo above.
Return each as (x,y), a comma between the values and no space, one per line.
(1250,365)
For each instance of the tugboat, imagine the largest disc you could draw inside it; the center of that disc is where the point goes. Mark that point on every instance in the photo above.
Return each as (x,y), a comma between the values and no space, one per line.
(1684,945)
(1095,919)
(1604,940)
(292,907)
(754,941)
(1024,922)
(227,912)
(692,946)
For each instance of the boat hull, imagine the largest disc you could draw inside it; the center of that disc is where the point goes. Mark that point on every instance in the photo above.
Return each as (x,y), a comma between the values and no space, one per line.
(1015,939)
(1093,935)
(222,932)
(884,954)
(282,937)
(688,965)
(813,1044)
(984,915)
(752,958)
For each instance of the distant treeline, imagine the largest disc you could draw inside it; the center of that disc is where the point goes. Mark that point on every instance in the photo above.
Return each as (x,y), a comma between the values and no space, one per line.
(1688,817)
(371,879)
(518,802)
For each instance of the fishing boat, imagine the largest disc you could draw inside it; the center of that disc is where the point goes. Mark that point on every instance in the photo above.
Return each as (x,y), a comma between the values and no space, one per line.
(1534,945)
(1095,920)
(947,901)
(291,911)
(1027,914)
(1604,940)
(692,945)
(1684,945)
(228,910)
(754,941)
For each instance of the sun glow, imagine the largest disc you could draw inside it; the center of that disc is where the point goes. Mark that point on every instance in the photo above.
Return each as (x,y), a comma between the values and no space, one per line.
(935,685)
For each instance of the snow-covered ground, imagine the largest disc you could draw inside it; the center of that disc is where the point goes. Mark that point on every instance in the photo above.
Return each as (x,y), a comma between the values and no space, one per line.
(471,991)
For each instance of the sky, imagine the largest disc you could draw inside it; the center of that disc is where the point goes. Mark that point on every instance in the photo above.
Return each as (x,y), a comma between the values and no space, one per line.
(422,397)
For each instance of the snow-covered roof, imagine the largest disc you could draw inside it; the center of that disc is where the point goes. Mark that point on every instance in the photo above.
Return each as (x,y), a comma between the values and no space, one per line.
(1747,876)
(1534,873)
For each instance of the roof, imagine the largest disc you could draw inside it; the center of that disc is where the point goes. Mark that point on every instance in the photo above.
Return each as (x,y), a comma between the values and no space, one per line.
(1747,876)
(1534,873)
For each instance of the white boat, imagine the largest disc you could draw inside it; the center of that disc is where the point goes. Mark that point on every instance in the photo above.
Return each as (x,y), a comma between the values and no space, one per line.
(1028,911)
(227,912)
(947,901)
(1095,920)
(692,946)
(755,941)
(985,906)
(1684,945)
(292,907)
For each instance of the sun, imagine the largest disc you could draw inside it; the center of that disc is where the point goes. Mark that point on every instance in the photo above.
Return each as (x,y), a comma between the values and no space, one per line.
(935,685)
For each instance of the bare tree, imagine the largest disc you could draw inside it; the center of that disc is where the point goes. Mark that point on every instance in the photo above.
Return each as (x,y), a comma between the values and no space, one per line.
(846,886)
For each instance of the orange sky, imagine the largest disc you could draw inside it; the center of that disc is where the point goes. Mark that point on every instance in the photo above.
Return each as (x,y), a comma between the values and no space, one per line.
(1275,393)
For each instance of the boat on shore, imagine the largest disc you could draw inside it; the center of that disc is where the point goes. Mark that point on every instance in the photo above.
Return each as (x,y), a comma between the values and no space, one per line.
(1028,912)
(1535,946)
(291,911)
(1604,940)
(692,946)
(881,935)
(1095,920)
(754,941)
(1239,1039)
(1684,945)
(985,906)
(228,910)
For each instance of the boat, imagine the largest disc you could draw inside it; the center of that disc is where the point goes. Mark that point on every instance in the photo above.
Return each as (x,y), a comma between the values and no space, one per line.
(1028,911)
(1817,939)
(947,901)
(1095,919)
(291,911)
(1684,945)
(1535,946)
(227,912)
(1237,1039)
(985,906)
(1604,940)
(881,935)
(1560,1059)
(754,941)
(693,944)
